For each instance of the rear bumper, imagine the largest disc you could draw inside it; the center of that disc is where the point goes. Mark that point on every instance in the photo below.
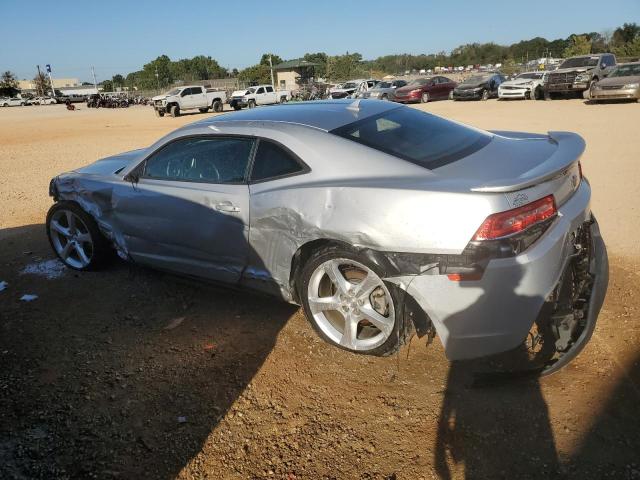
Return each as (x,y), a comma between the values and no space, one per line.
(494,314)
(617,94)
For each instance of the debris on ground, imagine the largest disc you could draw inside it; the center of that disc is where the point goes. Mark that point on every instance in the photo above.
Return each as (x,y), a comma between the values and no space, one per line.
(174,323)
(49,269)
(28,297)
(3,285)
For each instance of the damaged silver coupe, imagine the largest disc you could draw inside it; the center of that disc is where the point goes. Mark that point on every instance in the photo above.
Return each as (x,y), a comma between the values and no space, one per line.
(379,219)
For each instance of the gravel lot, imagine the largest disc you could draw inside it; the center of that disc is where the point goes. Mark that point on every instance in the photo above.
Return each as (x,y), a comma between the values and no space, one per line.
(131,373)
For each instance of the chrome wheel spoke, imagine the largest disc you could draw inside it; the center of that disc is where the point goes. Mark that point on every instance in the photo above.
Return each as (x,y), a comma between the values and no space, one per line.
(382,323)
(81,254)
(337,278)
(71,221)
(322,304)
(56,227)
(350,334)
(84,238)
(64,253)
(366,286)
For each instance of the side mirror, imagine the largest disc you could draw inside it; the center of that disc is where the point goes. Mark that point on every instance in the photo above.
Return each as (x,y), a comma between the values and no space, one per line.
(131,177)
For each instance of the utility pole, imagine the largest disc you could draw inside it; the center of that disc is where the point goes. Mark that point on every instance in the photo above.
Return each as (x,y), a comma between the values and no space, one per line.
(157,79)
(271,68)
(95,84)
(53,90)
(38,82)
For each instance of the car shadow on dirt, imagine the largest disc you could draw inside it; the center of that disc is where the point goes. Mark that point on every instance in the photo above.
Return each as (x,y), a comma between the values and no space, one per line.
(122,373)
(495,426)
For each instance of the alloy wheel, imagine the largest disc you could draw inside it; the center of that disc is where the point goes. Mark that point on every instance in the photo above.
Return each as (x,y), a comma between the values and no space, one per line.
(351,304)
(71,239)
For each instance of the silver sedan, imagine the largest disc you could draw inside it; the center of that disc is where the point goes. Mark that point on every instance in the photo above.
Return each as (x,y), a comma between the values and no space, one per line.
(379,219)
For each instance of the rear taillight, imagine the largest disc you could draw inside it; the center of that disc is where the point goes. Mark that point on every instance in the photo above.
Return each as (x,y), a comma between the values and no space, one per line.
(505,224)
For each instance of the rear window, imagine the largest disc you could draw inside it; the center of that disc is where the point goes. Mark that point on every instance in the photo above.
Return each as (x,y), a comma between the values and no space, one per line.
(416,136)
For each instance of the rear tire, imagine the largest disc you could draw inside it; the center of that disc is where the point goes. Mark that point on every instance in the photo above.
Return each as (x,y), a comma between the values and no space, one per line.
(335,272)
(485,95)
(217,106)
(75,237)
(175,111)
(283,99)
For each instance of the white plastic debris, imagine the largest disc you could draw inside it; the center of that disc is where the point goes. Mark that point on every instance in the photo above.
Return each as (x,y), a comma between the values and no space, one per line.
(3,285)
(182,419)
(49,269)
(28,297)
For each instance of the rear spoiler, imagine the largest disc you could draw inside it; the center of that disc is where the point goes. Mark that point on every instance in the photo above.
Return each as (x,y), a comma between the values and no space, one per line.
(570,148)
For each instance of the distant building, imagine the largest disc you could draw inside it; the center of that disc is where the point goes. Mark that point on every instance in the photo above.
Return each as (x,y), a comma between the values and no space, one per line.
(57,83)
(291,74)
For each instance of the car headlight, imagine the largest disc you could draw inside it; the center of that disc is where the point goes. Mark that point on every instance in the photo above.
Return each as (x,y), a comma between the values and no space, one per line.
(632,85)
(583,77)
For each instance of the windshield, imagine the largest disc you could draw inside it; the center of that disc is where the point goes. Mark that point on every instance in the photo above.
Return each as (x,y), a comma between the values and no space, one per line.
(349,85)
(531,76)
(251,90)
(415,136)
(580,62)
(626,70)
(477,79)
(173,91)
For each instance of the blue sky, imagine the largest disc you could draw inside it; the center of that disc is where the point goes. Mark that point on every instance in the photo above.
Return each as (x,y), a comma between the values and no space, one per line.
(120,36)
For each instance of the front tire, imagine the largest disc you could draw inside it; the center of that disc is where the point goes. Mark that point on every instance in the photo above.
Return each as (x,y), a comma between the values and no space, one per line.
(175,111)
(75,237)
(348,303)
(425,98)
(485,95)
(251,104)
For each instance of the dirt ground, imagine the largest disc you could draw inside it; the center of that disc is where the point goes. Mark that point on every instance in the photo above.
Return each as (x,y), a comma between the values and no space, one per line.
(131,373)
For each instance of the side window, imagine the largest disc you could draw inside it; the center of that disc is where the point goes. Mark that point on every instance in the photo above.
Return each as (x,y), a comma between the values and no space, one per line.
(269,89)
(260,90)
(273,161)
(201,159)
(196,90)
(185,92)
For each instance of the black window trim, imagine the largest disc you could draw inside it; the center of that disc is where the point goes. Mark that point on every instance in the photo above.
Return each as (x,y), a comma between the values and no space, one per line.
(303,171)
(141,166)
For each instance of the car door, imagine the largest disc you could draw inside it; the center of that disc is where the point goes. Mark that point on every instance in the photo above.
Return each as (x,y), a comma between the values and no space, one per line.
(260,96)
(189,210)
(270,95)
(186,101)
(198,98)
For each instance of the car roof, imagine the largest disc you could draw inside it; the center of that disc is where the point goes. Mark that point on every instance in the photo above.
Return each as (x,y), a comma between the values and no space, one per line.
(324,115)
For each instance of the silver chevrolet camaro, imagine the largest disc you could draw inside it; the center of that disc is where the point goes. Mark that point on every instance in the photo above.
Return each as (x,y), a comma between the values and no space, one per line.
(379,219)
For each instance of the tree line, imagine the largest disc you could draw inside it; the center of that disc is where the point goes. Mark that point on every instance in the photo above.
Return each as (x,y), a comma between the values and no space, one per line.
(162,72)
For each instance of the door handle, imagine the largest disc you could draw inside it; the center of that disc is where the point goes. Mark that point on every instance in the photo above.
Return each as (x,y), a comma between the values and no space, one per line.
(227,207)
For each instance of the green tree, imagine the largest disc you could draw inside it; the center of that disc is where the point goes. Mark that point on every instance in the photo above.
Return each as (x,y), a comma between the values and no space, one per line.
(255,74)
(579,45)
(41,82)
(275,59)
(321,59)
(8,84)
(107,86)
(117,81)
(627,33)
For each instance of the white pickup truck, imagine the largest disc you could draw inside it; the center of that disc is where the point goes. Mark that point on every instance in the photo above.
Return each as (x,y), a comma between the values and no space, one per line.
(190,97)
(258,95)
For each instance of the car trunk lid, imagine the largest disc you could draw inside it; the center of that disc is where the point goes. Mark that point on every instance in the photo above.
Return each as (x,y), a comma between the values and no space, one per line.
(513,162)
